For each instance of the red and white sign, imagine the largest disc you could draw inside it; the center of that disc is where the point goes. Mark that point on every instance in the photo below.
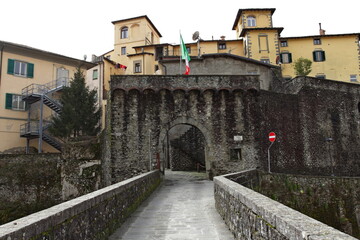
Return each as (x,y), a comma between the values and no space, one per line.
(272,137)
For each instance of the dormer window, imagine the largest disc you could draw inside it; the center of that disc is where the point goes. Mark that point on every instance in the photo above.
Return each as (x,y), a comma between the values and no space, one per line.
(251,21)
(124,32)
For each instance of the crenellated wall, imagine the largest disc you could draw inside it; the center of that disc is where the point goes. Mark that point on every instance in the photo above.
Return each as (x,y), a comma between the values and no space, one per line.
(145,108)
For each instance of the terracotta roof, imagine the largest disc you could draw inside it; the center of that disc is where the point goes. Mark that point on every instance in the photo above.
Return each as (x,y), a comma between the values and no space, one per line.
(279,29)
(320,36)
(4,45)
(250,9)
(144,16)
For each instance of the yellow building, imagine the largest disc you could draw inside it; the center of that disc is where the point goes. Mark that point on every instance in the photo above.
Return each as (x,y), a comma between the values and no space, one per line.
(31,74)
(335,57)
(137,46)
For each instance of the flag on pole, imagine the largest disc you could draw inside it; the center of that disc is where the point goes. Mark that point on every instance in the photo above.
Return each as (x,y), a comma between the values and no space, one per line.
(185,55)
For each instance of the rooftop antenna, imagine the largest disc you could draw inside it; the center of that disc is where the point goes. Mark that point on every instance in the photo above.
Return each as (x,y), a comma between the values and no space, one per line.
(196,37)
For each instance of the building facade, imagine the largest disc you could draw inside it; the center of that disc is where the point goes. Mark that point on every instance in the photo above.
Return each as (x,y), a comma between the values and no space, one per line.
(30,82)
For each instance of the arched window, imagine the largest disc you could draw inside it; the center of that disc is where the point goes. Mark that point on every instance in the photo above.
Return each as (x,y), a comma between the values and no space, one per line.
(251,21)
(124,32)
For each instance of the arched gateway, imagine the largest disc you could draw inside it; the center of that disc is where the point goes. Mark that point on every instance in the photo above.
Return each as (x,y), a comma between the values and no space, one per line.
(144,109)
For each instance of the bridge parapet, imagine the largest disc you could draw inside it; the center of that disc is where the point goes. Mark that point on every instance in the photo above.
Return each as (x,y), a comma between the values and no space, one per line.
(251,215)
(187,83)
(91,216)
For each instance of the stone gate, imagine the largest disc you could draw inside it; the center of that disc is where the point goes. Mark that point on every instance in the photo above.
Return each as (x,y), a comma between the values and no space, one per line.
(316,121)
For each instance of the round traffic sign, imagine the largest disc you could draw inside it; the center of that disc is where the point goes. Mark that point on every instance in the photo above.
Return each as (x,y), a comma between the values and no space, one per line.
(272,137)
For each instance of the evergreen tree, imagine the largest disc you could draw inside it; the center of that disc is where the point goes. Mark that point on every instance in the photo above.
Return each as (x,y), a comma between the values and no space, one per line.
(80,114)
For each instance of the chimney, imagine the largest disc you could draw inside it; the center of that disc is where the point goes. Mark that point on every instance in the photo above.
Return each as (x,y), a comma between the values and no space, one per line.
(322,31)
(222,38)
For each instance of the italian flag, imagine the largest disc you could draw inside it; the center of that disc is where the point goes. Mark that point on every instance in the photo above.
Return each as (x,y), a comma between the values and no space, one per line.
(185,55)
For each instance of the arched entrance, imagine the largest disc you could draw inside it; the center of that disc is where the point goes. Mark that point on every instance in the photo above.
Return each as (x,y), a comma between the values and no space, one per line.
(185,147)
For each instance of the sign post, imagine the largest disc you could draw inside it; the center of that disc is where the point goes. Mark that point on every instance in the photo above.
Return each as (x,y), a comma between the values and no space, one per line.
(272,138)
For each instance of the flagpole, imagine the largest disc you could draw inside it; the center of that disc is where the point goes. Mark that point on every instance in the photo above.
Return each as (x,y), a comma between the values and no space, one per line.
(180,54)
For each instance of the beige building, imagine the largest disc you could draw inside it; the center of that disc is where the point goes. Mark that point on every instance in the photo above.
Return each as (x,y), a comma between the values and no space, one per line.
(30,82)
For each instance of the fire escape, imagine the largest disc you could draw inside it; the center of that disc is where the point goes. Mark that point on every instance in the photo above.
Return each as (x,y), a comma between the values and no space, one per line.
(43,95)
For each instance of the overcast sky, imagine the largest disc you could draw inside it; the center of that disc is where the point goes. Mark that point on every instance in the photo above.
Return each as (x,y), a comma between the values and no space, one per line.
(77,27)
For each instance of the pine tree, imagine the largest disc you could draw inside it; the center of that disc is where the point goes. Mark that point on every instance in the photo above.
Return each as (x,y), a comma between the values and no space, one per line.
(80,114)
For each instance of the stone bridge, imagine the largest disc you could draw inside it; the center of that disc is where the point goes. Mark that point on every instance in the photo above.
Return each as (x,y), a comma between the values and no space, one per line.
(182,208)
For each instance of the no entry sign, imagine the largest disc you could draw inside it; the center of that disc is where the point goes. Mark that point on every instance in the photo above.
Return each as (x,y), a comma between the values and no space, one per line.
(272,137)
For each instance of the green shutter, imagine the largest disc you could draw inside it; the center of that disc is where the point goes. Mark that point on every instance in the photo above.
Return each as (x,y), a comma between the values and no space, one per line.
(8,101)
(323,55)
(30,70)
(11,64)
(281,58)
(314,57)
(290,58)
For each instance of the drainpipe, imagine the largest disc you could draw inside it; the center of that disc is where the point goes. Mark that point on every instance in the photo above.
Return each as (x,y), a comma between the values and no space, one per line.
(1,61)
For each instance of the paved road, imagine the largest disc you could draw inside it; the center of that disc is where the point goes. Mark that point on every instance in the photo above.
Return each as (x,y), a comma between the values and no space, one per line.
(181,208)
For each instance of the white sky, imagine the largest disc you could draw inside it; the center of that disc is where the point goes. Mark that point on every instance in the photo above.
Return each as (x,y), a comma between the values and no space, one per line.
(77,27)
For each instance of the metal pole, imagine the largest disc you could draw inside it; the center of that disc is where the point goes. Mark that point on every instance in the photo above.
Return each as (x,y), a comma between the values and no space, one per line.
(269,157)
(150,150)
(41,123)
(27,130)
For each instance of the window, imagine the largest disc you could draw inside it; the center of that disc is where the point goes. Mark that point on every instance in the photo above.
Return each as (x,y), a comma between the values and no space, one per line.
(137,67)
(265,60)
(124,32)
(95,74)
(285,58)
(20,68)
(317,41)
(353,78)
(263,43)
(222,45)
(251,21)
(321,76)
(284,43)
(188,49)
(235,154)
(123,50)
(14,102)
(319,56)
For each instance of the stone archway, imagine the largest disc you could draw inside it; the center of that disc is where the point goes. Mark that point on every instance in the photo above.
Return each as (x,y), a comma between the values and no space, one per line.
(185,146)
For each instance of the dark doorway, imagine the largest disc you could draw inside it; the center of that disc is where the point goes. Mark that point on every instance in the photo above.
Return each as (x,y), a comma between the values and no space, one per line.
(186,149)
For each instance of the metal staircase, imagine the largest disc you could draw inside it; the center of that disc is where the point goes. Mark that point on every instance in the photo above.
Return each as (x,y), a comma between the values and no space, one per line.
(42,94)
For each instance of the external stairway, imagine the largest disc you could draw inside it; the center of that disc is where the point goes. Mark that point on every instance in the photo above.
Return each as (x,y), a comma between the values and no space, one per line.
(42,93)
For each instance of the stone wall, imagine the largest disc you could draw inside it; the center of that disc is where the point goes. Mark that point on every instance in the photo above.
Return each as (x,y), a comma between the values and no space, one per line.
(92,216)
(317,123)
(144,108)
(32,182)
(334,201)
(250,215)
(226,64)
(28,183)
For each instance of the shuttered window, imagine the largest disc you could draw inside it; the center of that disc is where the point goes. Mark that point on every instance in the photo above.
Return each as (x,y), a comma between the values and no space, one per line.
(319,56)
(285,58)
(20,68)
(14,102)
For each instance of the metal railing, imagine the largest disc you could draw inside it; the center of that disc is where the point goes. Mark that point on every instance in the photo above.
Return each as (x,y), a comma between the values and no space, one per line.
(32,128)
(40,89)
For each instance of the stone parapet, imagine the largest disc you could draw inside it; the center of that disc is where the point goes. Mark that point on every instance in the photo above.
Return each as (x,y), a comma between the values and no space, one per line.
(250,215)
(92,216)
